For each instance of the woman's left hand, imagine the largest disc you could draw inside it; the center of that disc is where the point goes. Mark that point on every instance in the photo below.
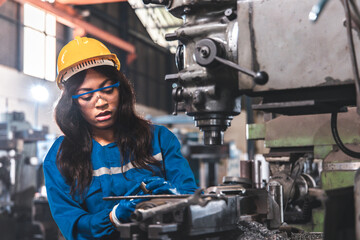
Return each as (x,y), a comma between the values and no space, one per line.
(159,185)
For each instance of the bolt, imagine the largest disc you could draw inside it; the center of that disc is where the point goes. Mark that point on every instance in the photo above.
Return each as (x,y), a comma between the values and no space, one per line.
(230,14)
(204,51)
(187,10)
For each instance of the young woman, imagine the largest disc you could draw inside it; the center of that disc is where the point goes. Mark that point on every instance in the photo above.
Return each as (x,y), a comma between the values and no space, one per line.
(106,150)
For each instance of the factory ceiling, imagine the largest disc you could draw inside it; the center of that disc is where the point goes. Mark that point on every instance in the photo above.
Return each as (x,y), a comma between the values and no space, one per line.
(156,19)
(66,15)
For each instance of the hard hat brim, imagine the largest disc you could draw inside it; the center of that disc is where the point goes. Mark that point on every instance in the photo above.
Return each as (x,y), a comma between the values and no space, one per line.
(103,60)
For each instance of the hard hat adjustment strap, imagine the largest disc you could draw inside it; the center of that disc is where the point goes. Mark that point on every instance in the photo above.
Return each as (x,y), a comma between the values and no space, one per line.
(86,64)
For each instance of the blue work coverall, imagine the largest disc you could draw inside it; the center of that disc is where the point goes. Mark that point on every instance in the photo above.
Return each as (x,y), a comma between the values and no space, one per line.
(88,217)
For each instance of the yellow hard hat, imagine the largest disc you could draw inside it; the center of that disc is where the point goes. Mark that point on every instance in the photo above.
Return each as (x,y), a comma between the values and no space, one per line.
(80,54)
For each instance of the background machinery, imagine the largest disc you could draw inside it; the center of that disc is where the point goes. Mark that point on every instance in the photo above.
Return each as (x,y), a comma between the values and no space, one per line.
(301,70)
(22,209)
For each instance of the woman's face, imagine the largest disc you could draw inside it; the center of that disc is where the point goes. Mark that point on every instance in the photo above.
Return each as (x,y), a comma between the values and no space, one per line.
(98,108)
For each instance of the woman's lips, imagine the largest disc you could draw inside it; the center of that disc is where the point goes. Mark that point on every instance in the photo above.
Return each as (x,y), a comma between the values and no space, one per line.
(103,116)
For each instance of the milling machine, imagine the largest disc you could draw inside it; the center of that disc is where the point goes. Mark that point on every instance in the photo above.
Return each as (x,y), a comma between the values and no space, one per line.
(303,67)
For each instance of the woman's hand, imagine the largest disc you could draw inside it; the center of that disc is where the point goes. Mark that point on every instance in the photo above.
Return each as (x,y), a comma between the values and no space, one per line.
(122,211)
(159,185)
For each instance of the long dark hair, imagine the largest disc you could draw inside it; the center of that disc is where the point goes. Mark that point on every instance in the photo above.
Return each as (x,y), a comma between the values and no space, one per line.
(132,133)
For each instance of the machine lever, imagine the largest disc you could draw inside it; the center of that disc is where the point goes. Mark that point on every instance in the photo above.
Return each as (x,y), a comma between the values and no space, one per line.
(207,54)
(177,96)
(175,108)
(260,77)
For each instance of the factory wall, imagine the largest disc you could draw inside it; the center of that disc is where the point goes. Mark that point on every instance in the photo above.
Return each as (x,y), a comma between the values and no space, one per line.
(15,95)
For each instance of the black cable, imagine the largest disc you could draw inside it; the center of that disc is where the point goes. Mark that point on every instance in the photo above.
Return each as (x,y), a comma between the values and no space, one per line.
(337,139)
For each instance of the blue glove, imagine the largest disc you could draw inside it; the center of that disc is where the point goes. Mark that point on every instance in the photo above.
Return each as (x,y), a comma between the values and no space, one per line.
(159,185)
(122,211)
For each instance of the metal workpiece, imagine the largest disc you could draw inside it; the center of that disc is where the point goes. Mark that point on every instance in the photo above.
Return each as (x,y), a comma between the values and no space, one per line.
(276,205)
(246,170)
(256,173)
(293,188)
(243,180)
(287,183)
(216,217)
(143,214)
(196,217)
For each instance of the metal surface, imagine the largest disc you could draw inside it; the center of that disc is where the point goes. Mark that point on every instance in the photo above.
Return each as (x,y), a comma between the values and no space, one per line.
(256,173)
(212,99)
(357,203)
(337,179)
(246,170)
(237,34)
(276,213)
(160,196)
(345,166)
(295,38)
(141,215)
(309,130)
(287,52)
(197,218)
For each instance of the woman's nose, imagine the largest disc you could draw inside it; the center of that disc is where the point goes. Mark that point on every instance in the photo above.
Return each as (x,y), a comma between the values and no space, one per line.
(100,101)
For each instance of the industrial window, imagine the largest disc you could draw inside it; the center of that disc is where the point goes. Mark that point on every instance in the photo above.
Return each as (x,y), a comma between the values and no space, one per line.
(39,43)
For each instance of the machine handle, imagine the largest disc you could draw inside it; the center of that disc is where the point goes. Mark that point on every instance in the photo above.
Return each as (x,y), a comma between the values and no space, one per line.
(208,52)
(260,77)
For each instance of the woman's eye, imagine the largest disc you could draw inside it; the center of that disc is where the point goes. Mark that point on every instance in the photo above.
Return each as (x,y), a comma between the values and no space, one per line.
(86,97)
(108,90)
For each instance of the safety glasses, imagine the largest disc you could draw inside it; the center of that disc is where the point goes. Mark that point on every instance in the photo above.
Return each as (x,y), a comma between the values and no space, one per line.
(96,90)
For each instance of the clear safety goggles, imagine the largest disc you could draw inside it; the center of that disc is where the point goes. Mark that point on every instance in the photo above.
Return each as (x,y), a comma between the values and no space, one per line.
(96,90)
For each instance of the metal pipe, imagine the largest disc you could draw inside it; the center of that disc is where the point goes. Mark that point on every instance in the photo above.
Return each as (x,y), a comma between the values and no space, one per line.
(159,196)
